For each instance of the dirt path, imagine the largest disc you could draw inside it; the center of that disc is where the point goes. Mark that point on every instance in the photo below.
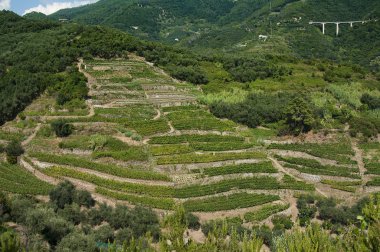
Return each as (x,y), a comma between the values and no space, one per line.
(32,136)
(90,80)
(128,140)
(158,116)
(37,173)
(293,207)
(172,129)
(358,157)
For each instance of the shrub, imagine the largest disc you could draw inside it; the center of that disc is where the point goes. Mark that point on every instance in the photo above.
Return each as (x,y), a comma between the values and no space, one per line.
(13,151)
(366,126)
(104,234)
(61,128)
(264,212)
(83,198)
(192,221)
(62,194)
(77,242)
(371,101)
(45,131)
(282,222)
(305,212)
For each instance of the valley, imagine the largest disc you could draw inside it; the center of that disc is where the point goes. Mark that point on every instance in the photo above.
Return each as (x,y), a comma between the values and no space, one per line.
(199,125)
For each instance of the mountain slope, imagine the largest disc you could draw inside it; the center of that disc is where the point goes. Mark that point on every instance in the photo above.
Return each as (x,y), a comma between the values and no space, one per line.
(235,26)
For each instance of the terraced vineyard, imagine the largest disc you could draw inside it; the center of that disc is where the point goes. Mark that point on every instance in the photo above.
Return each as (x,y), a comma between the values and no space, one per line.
(142,138)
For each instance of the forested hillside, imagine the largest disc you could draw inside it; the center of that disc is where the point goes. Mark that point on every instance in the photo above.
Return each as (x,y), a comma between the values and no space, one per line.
(235,26)
(40,54)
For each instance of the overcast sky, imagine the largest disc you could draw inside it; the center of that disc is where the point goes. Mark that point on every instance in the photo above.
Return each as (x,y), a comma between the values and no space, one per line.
(45,6)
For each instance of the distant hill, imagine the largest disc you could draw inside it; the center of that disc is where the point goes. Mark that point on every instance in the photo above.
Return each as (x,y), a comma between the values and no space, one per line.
(36,16)
(235,26)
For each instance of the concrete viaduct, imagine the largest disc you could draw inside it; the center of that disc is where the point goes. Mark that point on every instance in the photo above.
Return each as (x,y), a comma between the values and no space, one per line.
(351,23)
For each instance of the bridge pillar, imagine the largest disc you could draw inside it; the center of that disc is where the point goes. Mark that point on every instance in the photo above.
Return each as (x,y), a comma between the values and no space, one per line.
(337,29)
(351,24)
(323,28)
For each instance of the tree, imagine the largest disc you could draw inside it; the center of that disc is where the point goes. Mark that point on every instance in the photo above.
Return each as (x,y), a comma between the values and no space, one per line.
(83,198)
(104,234)
(61,128)
(63,194)
(55,229)
(77,242)
(299,117)
(13,151)
(4,207)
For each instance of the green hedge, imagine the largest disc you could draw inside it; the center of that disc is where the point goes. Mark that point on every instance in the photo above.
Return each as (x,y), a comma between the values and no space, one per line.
(207,158)
(105,168)
(160,203)
(264,212)
(234,201)
(255,183)
(151,190)
(263,167)
(194,139)
(15,179)
(340,152)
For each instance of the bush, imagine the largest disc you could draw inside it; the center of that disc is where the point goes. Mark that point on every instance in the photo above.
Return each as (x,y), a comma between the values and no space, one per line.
(104,234)
(55,229)
(13,151)
(124,235)
(77,242)
(62,194)
(371,101)
(192,221)
(83,198)
(282,222)
(305,211)
(367,126)
(61,128)
(72,213)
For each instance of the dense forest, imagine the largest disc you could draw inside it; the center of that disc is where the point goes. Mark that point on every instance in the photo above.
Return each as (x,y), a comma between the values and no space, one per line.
(235,26)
